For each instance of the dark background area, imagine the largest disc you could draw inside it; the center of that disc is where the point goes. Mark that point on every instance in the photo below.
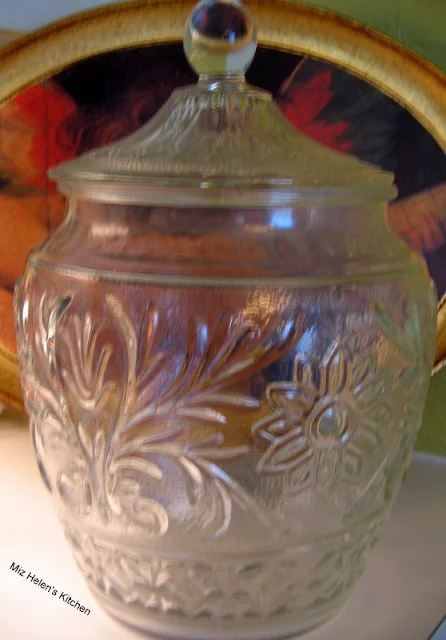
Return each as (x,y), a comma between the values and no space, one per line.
(383,132)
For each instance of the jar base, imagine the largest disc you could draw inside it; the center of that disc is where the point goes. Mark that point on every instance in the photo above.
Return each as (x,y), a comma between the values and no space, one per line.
(266,596)
(174,627)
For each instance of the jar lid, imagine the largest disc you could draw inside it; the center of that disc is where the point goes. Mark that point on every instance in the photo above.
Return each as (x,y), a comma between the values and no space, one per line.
(220,142)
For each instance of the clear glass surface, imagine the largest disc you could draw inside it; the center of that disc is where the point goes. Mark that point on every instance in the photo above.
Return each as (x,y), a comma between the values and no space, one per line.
(223,414)
(225,355)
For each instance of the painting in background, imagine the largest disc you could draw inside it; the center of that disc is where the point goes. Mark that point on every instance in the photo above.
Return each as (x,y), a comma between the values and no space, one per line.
(99,100)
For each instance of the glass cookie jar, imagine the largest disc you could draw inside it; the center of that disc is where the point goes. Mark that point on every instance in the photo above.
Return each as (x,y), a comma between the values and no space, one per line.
(225,353)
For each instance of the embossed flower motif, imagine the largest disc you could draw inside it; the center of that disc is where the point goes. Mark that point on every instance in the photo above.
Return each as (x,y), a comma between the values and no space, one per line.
(326,420)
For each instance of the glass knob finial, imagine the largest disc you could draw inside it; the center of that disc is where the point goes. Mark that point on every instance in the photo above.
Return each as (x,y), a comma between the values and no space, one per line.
(220,38)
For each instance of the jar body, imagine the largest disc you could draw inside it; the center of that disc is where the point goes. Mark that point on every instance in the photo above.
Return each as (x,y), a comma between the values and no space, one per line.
(222,450)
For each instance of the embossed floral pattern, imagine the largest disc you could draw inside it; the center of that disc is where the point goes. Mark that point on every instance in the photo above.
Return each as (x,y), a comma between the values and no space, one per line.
(325,421)
(132,415)
(416,353)
(115,407)
(416,356)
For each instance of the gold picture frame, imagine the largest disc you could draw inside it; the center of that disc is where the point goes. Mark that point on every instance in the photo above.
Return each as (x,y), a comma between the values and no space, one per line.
(7,36)
(416,84)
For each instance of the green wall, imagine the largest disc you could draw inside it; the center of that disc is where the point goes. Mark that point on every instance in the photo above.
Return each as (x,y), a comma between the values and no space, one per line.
(432,436)
(418,24)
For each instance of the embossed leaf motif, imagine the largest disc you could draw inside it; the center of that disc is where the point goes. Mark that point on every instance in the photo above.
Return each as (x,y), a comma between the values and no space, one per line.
(324,422)
(410,339)
(85,377)
(146,410)
(340,569)
(48,392)
(211,492)
(211,361)
(42,390)
(140,509)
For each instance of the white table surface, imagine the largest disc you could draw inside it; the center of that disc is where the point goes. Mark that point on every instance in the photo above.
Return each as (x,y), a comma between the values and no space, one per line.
(402,595)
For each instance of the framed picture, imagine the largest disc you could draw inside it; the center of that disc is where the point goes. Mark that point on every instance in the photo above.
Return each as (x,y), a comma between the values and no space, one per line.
(91,79)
